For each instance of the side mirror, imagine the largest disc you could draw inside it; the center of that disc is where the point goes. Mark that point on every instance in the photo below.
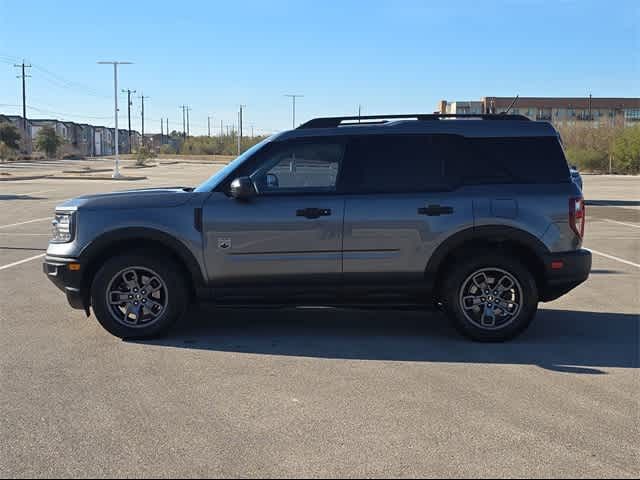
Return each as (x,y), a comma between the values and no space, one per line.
(242,188)
(272,181)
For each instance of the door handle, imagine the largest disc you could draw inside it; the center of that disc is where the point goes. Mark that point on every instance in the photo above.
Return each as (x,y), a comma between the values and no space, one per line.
(313,212)
(435,210)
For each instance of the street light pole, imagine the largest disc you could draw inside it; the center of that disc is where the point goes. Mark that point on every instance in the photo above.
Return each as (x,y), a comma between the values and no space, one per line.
(116,168)
(293,97)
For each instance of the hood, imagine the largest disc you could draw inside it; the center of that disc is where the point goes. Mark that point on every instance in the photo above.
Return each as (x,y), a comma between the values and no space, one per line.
(143,198)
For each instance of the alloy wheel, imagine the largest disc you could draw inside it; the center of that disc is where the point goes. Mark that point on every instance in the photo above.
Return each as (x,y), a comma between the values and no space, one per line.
(137,297)
(491,298)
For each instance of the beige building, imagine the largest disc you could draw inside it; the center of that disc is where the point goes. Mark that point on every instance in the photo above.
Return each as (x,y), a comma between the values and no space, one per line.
(558,110)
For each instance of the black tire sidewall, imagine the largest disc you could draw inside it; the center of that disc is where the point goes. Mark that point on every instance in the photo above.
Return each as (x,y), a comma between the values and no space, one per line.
(167,269)
(461,271)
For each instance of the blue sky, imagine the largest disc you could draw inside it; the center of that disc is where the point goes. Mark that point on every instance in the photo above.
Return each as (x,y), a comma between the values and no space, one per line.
(389,56)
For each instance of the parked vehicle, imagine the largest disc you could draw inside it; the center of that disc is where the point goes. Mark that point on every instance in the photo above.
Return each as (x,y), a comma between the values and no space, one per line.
(474,214)
(576,177)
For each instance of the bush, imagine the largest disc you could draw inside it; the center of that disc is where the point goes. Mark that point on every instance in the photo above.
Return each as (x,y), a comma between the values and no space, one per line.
(48,141)
(167,150)
(626,151)
(9,136)
(7,153)
(588,159)
(142,155)
(224,145)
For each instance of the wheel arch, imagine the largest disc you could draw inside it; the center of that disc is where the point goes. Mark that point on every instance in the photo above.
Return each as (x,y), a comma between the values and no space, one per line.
(509,240)
(143,239)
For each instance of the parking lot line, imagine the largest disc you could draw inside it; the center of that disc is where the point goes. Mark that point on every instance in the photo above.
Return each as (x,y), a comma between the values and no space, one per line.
(9,265)
(621,223)
(28,221)
(25,234)
(621,260)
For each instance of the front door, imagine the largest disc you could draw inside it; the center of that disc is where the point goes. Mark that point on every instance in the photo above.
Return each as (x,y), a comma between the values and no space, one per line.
(290,232)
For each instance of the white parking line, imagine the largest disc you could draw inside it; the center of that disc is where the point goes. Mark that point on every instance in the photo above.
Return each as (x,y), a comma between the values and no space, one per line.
(9,265)
(28,221)
(617,259)
(14,234)
(621,223)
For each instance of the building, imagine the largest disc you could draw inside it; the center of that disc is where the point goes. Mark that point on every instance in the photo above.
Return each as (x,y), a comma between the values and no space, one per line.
(558,110)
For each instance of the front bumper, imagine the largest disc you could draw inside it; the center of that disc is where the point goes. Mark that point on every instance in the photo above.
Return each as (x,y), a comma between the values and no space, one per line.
(69,281)
(564,272)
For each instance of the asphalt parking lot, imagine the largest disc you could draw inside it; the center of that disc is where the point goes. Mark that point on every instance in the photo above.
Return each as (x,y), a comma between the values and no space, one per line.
(320,393)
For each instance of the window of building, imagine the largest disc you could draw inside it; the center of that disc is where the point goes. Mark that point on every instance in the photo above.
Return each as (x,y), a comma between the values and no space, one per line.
(632,114)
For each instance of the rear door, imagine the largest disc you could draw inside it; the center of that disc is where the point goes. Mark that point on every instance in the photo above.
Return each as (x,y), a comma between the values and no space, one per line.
(401,206)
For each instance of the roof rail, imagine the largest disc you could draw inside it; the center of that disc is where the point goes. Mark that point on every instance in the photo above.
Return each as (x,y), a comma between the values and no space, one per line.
(331,122)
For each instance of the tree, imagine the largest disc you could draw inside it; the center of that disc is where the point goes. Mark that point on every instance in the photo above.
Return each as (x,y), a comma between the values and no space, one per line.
(48,141)
(9,135)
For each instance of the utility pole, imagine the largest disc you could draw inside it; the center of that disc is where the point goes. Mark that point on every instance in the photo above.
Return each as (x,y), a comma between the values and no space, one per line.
(221,129)
(293,97)
(188,109)
(208,126)
(590,117)
(359,112)
(129,103)
(184,125)
(240,136)
(168,134)
(142,97)
(161,131)
(116,169)
(27,139)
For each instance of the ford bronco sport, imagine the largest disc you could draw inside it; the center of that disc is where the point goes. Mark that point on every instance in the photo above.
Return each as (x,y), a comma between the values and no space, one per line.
(474,214)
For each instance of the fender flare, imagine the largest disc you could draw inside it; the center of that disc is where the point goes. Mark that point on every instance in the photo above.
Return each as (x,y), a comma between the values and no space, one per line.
(490,234)
(107,239)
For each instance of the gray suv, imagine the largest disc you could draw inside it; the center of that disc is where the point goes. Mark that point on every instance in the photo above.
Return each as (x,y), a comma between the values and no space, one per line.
(476,215)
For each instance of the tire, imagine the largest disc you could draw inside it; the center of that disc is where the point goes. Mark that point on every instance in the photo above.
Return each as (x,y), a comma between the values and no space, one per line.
(501,317)
(155,282)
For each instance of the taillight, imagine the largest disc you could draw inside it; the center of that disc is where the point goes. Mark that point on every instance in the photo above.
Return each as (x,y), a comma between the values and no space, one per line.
(577,215)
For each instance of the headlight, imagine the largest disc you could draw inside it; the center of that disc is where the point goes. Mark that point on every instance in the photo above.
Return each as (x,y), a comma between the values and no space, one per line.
(62,228)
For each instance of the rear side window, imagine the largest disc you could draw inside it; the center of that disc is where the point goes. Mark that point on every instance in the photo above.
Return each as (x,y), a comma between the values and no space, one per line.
(395,163)
(513,160)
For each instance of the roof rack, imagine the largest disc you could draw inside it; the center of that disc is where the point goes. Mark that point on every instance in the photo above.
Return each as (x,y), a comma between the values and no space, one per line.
(331,122)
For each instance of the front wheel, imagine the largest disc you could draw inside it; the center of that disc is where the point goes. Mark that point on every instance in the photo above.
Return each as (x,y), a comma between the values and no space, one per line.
(490,297)
(138,295)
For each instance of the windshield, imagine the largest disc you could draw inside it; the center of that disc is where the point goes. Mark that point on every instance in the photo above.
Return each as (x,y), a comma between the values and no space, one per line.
(217,177)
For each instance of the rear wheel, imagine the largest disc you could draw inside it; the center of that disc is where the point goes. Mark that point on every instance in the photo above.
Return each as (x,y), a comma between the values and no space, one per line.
(138,295)
(490,297)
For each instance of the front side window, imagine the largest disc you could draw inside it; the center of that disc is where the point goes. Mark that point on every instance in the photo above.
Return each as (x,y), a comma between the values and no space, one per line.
(300,167)
(222,174)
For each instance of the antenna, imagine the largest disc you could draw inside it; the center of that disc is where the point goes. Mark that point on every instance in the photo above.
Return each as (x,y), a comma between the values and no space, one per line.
(510,106)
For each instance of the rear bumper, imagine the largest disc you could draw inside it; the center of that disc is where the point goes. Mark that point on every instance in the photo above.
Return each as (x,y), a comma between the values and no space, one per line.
(564,272)
(69,281)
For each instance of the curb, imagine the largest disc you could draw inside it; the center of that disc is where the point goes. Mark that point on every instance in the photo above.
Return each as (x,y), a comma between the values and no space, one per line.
(103,178)
(4,178)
